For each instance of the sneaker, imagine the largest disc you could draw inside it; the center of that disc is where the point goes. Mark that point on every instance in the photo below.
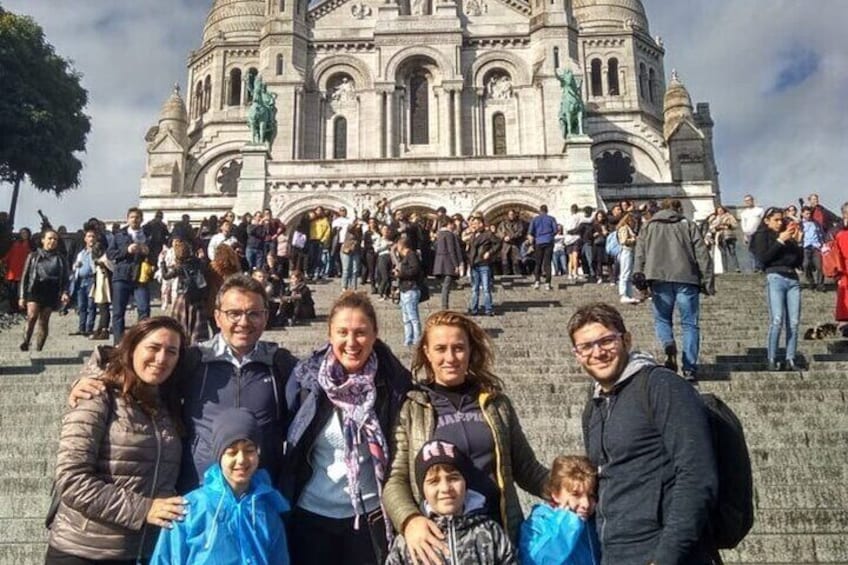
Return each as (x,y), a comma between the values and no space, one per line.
(24,346)
(548,287)
(628,300)
(536,285)
(690,375)
(773,366)
(791,365)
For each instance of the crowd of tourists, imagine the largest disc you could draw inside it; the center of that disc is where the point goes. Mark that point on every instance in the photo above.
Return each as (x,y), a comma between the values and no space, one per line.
(189,439)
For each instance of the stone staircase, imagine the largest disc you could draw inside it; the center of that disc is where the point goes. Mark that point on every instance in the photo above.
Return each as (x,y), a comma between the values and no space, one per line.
(796,423)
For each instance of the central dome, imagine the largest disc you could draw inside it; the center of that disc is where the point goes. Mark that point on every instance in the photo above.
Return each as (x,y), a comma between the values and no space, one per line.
(235,20)
(610,15)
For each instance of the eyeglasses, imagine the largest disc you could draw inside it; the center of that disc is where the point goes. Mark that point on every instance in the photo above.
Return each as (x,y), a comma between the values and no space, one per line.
(606,343)
(252,316)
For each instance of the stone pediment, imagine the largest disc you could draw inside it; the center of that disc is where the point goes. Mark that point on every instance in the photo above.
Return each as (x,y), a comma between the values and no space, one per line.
(685,130)
(165,143)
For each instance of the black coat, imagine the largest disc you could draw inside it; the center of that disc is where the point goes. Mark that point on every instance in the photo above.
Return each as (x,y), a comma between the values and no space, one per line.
(448,253)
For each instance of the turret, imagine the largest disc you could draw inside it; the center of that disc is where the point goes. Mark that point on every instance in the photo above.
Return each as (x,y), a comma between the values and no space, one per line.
(677,105)
(174,118)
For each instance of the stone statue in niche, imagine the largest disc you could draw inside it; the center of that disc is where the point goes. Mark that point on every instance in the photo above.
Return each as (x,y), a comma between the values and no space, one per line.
(499,87)
(344,91)
(474,8)
(228,177)
(419,7)
(360,11)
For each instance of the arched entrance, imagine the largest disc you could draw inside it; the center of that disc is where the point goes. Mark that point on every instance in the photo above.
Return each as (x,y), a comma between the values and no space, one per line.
(498,214)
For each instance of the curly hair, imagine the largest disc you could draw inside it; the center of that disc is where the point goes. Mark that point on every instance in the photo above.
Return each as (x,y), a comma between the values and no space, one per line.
(569,470)
(120,373)
(226,261)
(481,358)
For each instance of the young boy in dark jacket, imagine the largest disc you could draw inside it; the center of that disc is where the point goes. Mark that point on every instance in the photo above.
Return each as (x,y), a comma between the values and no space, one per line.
(471,536)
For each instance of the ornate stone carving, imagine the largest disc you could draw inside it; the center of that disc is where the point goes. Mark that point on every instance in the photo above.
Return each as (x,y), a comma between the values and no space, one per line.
(476,8)
(344,92)
(360,11)
(499,87)
(419,7)
(228,177)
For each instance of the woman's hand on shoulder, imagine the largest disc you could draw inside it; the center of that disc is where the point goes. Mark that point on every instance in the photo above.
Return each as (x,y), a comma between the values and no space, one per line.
(164,511)
(424,541)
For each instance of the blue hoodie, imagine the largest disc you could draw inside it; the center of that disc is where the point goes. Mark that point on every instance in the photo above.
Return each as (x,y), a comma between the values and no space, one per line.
(556,536)
(222,529)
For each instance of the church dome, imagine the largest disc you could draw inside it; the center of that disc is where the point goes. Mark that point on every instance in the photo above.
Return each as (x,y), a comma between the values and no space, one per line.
(234,20)
(610,15)
(677,105)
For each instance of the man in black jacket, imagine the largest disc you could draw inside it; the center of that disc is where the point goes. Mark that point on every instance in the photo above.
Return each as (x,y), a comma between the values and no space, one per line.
(483,247)
(647,431)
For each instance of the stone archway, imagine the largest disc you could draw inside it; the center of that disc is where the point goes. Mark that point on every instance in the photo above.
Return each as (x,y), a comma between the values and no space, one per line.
(498,214)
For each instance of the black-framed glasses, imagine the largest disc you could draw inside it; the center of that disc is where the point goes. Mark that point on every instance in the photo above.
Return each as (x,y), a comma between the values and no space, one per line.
(252,316)
(606,343)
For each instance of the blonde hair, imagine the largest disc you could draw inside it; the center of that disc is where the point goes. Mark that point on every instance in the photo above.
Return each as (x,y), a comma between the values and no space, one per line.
(570,470)
(481,359)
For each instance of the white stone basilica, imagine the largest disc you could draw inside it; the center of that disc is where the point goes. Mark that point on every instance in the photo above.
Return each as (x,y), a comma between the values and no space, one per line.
(428,103)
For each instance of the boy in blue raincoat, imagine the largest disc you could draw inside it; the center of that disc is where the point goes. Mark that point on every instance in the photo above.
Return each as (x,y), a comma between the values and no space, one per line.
(234,516)
(563,533)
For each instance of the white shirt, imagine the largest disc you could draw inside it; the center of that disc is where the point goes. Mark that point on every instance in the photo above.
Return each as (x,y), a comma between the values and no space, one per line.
(217,240)
(342,223)
(749,219)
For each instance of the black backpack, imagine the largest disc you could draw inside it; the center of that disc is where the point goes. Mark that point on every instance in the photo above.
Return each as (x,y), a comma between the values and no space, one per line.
(733,515)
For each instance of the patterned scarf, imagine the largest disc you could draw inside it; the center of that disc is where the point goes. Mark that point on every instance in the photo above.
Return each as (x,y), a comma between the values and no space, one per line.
(355,395)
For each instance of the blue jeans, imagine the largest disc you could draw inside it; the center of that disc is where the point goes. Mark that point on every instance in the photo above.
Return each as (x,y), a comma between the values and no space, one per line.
(784,303)
(625,272)
(350,270)
(411,320)
(560,262)
(313,253)
(588,254)
(481,282)
(687,297)
(85,305)
(255,257)
(121,291)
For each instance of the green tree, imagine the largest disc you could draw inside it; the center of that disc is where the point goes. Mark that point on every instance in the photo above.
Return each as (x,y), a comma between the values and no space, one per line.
(42,124)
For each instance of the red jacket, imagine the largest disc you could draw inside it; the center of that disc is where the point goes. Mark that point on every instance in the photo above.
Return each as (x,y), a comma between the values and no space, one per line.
(15,259)
(842,281)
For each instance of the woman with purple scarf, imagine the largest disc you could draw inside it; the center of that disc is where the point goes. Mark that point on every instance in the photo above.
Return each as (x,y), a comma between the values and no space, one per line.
(345,398)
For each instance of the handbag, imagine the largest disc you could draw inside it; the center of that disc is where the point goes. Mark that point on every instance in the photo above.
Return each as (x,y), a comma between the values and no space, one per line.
(298,240)
(145,272)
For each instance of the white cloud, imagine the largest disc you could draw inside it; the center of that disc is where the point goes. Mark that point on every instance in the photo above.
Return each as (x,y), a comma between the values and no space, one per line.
(775,144)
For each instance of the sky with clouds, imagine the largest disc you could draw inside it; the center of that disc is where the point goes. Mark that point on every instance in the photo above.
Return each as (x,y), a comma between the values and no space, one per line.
(774,71)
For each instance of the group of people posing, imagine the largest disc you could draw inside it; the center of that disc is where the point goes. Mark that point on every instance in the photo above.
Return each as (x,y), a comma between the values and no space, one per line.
(233,451)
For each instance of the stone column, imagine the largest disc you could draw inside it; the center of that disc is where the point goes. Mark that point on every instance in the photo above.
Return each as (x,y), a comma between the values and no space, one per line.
(390,125)
(322,125)
(484,141)
(298,113)
(443,98)
(252,195)
(457,122)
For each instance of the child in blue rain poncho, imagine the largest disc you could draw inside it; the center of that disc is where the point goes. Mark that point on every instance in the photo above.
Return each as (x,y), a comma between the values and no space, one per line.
(234,517)
(563,533)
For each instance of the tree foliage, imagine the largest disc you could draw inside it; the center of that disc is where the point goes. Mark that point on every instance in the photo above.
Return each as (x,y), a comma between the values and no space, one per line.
(43,126)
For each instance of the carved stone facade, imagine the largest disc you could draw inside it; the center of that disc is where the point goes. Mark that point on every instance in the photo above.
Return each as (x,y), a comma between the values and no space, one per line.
(428,103)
